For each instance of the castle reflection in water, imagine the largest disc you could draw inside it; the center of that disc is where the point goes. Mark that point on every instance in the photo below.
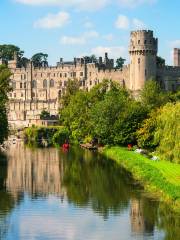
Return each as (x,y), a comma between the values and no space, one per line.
(34,172)
(40,172)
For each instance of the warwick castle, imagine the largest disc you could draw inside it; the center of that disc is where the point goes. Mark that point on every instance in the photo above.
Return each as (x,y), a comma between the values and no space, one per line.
(38,89)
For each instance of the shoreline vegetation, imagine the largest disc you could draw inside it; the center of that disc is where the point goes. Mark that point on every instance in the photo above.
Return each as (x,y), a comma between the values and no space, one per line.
(159,178)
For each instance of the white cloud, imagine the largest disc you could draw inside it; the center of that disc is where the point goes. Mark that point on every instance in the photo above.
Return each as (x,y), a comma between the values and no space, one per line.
(78,4)
(122,22)
(134,3)
(114,52)
(80,40)
(53,20)
(138,24)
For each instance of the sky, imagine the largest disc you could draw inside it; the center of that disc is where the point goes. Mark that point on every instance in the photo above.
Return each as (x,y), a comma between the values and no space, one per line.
(74,28)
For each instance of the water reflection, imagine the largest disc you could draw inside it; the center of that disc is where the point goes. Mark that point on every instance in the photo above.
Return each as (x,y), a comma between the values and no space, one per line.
(48,194)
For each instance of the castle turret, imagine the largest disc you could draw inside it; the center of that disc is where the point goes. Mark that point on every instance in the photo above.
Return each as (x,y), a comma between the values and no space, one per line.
(176,57)
(143,53)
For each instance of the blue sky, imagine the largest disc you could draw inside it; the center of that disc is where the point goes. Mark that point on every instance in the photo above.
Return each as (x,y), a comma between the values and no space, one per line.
(72,28)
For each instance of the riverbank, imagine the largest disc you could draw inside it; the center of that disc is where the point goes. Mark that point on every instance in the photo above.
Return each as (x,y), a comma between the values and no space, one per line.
(160,178)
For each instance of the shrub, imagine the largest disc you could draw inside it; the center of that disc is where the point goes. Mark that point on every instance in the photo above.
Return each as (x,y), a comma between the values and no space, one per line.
(60,136)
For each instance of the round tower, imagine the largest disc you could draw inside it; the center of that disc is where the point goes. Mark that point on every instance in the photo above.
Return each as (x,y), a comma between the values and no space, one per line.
(143,52)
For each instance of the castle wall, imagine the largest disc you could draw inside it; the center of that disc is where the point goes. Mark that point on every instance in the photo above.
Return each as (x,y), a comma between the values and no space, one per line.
(38,89)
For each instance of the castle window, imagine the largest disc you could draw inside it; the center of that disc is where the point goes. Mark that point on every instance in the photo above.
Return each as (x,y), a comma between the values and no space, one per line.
(21,94)
(54,74)
(139,60)
(65,83)
(61,75)
(14,94)
(74,74)
(24,76)
(81,74)
(139,41)
(51,83)
(65,75)
(60,84)
(45,83)
(24,85)
(90,82)
(41,74)
(14,85)
(34,84)
(145,41)
(21,85)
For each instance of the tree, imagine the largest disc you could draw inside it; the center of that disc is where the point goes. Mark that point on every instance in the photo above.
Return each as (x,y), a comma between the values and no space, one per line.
(7,52)
(71,89)
(152,96)
(160,61)
(120,63)
(4,90)
(40,59)
(45,115)
(167,133)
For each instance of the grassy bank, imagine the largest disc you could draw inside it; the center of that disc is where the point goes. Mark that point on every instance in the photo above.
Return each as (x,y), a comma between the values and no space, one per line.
(161,178)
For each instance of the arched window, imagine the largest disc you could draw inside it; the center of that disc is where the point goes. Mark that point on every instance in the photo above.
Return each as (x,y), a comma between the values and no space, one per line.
(51,83)
(34,84)
(45,83)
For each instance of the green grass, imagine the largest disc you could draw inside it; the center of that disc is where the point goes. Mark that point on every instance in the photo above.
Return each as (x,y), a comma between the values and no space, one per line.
(159,177)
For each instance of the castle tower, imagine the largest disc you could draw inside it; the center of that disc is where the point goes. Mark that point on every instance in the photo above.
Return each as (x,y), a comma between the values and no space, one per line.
(12,64)
(143,52)
(176,57)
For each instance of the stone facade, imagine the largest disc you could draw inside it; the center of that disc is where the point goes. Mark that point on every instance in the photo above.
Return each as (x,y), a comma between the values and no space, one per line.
(38,89)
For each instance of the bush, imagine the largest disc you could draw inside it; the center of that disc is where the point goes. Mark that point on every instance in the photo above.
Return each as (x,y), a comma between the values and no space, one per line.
(40,136)
(60,136)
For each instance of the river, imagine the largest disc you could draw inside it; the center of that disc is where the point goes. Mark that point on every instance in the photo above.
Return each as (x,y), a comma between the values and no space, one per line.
(48,194)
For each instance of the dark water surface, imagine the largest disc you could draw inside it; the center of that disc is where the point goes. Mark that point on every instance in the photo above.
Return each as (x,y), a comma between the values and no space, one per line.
(48,194)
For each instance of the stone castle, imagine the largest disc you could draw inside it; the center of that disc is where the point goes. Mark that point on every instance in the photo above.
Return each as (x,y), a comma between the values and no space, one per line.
(38,89)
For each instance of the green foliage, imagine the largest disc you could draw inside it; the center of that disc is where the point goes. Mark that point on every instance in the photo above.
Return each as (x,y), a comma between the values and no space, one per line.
(4,90)
(128,122)
(75,116)
(45,115)
(71,89)
(120,63)
(7,52)
(167,134)
(60,136)
(41,136)
(152,96)
(145,134)
(39,59)
(160,61)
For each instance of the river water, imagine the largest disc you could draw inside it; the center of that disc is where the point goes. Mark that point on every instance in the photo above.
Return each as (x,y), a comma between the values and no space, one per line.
(48,194)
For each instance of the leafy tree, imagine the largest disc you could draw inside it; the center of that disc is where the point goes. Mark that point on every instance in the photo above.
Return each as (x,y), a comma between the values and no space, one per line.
(45,115)
(90,59)
(128,122)
(120,63)
(167,134)
(145,134)
(152,96)
(40,59)
(105,113)
(75,116)
(4,89)
(71,89)
(7,52)
(160,61)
